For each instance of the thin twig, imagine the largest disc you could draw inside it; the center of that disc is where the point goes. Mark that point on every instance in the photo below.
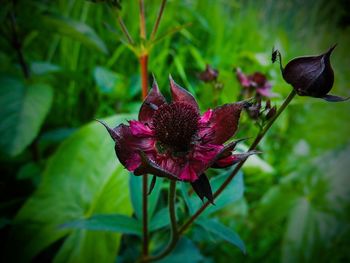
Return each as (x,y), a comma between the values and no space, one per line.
(159,17)
(240,164)
(142,20)
(125,31)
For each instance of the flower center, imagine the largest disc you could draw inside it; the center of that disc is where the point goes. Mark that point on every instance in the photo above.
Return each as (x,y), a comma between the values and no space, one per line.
(175,125)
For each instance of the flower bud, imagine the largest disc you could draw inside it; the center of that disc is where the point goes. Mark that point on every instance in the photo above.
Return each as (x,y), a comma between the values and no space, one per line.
(310,75)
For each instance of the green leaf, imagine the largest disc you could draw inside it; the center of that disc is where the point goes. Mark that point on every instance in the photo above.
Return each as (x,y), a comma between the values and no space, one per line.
(23,110)
(75,30)
(113,223)
(43,67)
(106,79)
(136,195)
(184,252)
(82,178)
(233,192)
(223,232)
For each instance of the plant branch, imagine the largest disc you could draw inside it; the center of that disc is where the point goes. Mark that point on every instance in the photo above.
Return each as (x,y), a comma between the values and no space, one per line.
(144,74)
(159,17)
(174,234)
(125,31)
(142,20)
(240,164)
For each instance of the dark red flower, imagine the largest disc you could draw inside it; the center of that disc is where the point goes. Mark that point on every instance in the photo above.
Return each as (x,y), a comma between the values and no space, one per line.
(310,75)
(174,140)
(255,83)
(209,74)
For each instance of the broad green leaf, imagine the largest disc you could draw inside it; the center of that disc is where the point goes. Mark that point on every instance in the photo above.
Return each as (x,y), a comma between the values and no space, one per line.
(184,252)
(106,79)
(75,30)
(136,195)
(23,110)
(222,231)
(233,192)
(112,222)
(42,67)
(82,178)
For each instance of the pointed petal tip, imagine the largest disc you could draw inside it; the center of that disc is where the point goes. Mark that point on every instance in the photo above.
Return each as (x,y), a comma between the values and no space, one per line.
(334,98)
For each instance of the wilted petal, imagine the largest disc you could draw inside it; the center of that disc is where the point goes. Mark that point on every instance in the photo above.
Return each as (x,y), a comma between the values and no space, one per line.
(224,122)
(202,188)
(153,100)
(153,183)
(179,94)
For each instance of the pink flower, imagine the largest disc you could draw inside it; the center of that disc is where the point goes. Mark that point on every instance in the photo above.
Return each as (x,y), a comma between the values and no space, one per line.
(174,140)
(255,82)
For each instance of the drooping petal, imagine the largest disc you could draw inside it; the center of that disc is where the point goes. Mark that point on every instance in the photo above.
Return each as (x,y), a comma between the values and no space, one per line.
(179,94)
(202,188)
(188,174)
(140,130)
(206,152)
(127,146)
(153,101)
(223,123)
(149,166)
(232,159)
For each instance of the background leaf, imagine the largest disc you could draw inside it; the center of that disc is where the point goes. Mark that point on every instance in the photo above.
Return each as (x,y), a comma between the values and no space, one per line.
(23,110)
(74,29)
(83,178)
(114,223)
(220,230)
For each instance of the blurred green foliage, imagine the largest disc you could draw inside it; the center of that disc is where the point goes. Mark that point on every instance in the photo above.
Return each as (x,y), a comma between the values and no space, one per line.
(59,172)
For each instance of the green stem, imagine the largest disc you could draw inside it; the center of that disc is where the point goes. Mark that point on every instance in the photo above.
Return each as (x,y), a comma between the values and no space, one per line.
(240,164)
(174,233)
(125,31)
(142,20)
(159,17)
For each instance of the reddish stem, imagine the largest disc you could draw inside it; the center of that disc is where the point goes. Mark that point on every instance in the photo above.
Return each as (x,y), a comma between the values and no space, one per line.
(144,75)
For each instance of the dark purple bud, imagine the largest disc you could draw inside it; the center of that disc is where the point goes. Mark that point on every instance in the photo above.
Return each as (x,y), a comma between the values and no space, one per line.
(209,74)
(271,113)
(312,76)
(202,188)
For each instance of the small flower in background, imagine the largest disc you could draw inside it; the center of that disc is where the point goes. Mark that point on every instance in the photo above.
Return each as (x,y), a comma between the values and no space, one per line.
(259,113)
(310,75)
(173,140)
(254,85)
(209,74)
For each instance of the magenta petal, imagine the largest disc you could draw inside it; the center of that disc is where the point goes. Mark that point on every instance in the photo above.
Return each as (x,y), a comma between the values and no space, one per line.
(128,146)
(232,159)
(243,79)
(153,101)
(140,130)
(188,174)
(179,94)
(206,116)
(224,122)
